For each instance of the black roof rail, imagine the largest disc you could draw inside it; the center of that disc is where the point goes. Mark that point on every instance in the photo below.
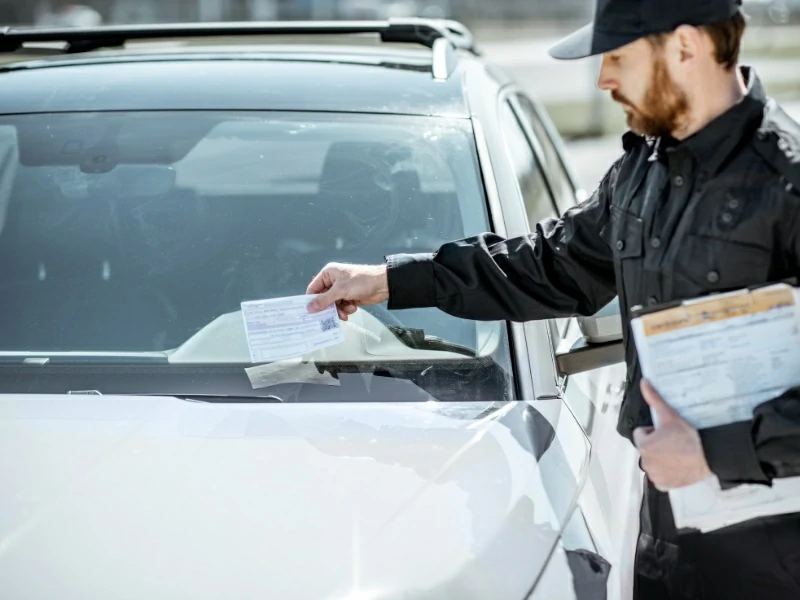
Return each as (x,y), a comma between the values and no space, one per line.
(418,31)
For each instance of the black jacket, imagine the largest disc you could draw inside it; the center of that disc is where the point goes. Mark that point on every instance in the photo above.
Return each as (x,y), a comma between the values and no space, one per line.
(717,211)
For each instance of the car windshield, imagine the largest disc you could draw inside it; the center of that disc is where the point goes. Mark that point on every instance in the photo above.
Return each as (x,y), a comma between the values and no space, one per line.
(132,238)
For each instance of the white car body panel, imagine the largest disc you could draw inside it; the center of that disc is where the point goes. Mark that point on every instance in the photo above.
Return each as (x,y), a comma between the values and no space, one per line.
(126,497)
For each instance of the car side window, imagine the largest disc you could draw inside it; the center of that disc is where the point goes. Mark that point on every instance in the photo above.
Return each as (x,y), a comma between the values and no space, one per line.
(539,204)
(561,183)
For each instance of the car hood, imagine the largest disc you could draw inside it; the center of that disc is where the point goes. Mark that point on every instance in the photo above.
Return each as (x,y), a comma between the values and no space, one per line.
(122,497)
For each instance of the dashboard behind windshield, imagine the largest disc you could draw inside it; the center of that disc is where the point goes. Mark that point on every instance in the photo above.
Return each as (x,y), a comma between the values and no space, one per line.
(140,233)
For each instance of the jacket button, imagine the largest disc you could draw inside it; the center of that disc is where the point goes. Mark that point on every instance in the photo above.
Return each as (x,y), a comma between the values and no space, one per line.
(620,245)
(733,204)
(652,301)
(655,243)
(630,422)
(727,218)
(677,181)
(713,277)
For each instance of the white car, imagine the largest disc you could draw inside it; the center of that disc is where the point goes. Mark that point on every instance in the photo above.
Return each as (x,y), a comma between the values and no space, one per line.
(147,190)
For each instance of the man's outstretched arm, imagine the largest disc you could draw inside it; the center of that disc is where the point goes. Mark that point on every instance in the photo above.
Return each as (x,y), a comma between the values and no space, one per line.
(565,267)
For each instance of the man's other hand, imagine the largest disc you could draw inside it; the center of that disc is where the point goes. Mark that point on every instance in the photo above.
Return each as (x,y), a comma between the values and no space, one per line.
(672,454)
(348,287)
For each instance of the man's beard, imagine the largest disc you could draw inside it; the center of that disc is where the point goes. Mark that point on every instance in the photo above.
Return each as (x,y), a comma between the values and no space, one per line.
(664,106)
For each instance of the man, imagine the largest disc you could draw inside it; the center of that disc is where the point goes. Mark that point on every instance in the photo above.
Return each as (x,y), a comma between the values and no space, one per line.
(705,198)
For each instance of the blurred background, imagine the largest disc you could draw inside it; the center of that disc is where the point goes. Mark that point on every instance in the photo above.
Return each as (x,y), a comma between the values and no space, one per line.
(513,33)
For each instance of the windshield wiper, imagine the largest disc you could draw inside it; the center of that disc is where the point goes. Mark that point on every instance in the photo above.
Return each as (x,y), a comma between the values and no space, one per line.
(416,339)
(223,399)
(216,398)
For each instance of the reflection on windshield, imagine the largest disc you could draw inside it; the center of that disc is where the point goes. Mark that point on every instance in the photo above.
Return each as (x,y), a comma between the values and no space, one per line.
(143,232)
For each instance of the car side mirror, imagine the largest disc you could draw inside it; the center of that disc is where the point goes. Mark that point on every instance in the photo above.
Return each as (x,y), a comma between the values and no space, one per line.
(599,345)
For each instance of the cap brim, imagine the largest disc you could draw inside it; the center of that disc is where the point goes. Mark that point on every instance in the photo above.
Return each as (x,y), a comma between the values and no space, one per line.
(588,42)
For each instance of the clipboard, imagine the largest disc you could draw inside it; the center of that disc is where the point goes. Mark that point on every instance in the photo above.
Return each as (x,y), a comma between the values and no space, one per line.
(714,362)
(641,311)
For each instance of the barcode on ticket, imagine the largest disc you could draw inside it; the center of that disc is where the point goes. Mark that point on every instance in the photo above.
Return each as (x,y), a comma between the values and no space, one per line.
(329,324)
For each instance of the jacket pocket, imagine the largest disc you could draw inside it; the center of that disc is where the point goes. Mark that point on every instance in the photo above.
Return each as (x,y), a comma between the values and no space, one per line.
(715,264)
(627,231)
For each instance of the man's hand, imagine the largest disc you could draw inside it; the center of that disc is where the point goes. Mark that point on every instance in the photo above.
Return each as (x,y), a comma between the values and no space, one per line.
(349,286)
(672,454)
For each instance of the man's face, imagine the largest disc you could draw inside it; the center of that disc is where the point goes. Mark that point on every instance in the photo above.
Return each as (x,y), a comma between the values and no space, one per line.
(639,80)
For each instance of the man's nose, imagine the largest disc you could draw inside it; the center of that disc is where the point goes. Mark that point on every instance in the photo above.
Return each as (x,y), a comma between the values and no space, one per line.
(605,81)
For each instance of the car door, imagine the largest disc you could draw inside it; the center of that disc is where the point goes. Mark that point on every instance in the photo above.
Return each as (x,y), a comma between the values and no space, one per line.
(613,490)
(594,397)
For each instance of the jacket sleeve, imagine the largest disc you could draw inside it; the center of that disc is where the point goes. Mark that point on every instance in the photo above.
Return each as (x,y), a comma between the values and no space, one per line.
(768,446)
(565,267)
(759,450)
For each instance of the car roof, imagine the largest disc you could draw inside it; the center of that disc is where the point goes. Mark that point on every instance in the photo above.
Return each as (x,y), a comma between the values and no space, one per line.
(398,77)
(244,80)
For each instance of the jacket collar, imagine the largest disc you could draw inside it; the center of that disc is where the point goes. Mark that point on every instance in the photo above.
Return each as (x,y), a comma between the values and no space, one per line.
(713,145)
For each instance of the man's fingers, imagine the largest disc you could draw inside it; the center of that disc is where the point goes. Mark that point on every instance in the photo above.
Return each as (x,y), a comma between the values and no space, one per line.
(349,308)
(661,487)
(317,285)
(323,301)
(641,435)
(346,309)
(654,400)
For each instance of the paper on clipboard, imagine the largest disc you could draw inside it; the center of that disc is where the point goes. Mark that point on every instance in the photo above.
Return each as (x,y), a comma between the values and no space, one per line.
(714,360)
(705,506)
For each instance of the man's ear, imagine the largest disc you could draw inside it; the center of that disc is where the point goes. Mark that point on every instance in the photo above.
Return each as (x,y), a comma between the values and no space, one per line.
(687,42)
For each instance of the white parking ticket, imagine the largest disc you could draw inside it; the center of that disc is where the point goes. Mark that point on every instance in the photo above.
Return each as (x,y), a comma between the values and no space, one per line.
(283,328)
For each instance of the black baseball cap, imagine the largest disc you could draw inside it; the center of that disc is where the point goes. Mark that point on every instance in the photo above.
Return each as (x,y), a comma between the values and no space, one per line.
(620,22)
